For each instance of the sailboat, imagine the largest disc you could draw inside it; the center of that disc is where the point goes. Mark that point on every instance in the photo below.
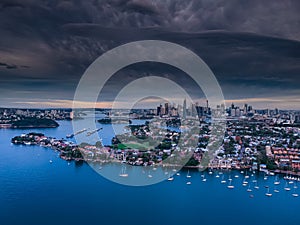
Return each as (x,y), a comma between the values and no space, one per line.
(188,174)
(256,185)
(246,176)
(245,182)
(276,182)
(230,186)
(295,186)
(287,188)
(223,181)
(249,189)
(123,172)
(276,190)
(203,178)
(268,194)
(170,178)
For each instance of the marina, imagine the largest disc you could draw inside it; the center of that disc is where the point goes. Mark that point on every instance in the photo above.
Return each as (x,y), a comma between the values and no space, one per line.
(82,183)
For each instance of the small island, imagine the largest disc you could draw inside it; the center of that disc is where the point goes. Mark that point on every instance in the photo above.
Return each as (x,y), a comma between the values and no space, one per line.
(34,123)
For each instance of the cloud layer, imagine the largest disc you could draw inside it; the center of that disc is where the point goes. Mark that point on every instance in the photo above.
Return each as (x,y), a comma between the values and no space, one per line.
(252,46)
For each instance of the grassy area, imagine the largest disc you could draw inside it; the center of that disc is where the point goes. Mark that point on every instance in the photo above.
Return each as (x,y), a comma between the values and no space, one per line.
(139,146)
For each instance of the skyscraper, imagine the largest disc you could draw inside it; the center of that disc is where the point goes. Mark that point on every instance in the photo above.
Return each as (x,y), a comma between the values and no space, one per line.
(167,112)
(184,109)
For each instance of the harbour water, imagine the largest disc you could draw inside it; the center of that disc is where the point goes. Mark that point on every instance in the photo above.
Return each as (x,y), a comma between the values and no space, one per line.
(34,191)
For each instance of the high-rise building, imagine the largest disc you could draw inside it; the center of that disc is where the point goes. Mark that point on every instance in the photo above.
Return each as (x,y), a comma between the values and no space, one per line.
(158,110)
(184,109)
(167,108)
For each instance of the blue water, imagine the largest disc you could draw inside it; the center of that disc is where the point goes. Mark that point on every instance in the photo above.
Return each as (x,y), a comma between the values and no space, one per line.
(33,191)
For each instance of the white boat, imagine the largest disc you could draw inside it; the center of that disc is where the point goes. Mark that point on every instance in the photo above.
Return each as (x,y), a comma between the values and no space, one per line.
(276,182)
(189,183)
(230,186)
(256,185)
(170,178)
(123,172)
(295,186)
(249,189)
(223,181)
(50,161)
(295,195)
(287,188)
(268,194)
(276,191)
(177,174)
(188,174)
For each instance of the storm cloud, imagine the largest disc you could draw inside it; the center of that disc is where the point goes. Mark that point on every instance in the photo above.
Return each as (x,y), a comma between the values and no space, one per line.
(253,47)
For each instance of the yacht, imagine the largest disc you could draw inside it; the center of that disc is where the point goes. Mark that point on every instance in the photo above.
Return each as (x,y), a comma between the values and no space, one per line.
(188,174)
(170,178)
(230,186)
(123,172)
(223,181)
(245,182)
(287,188)
(276,182)
(268,194)
(249,189)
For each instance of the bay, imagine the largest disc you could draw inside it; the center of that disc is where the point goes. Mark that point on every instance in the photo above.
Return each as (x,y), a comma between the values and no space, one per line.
(34,191)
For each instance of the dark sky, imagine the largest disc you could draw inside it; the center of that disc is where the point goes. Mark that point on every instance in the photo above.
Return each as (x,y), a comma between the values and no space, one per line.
(253,47)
